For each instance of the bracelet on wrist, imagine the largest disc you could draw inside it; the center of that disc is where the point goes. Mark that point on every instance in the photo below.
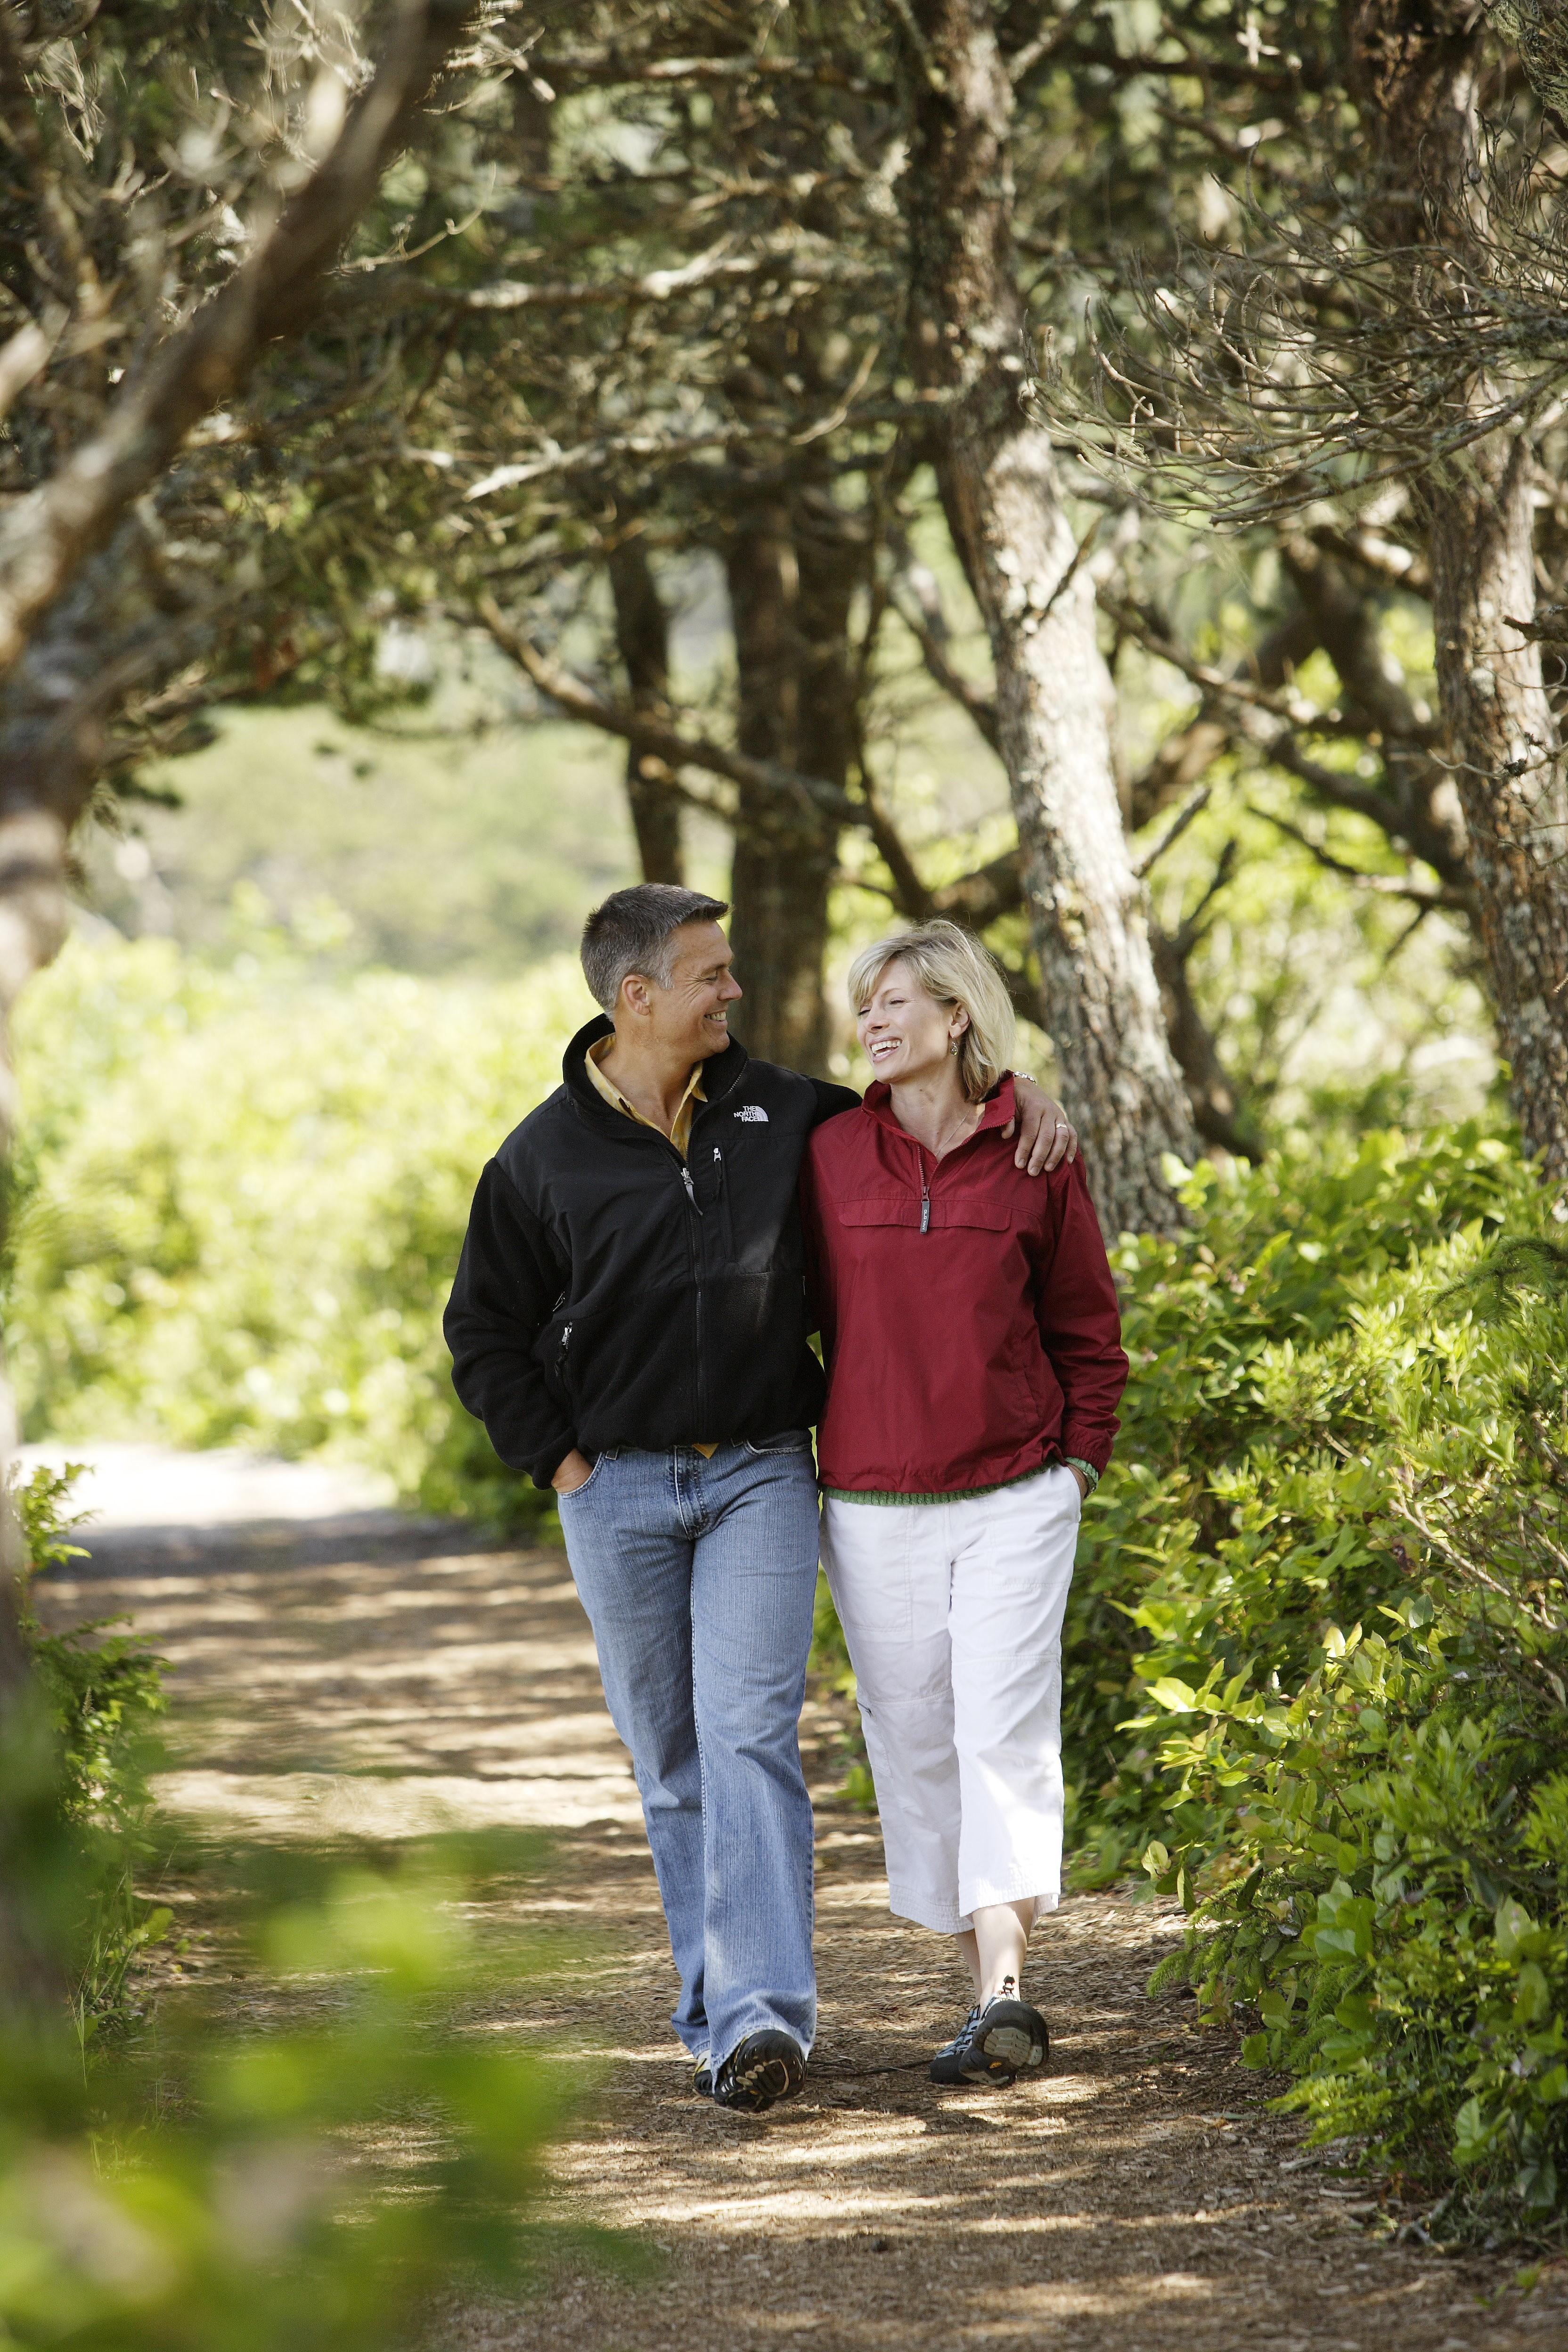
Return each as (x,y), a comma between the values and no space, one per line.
(1076,1462)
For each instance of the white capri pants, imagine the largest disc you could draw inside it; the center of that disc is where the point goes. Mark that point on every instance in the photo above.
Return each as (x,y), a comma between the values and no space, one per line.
(953,1614)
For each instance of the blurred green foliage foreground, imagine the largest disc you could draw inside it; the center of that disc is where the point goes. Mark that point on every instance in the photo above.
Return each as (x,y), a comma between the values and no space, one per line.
(309,2151)
(1317,1658)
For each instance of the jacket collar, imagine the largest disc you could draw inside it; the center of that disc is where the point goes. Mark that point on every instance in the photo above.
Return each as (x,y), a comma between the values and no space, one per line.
(720,1073)
(999,1108)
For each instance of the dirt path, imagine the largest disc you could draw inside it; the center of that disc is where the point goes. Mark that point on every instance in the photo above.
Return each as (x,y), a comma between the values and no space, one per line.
(1139,2197)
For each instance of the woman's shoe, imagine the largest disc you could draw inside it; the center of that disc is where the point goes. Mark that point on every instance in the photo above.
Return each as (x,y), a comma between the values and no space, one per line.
(947,2064)
(994,2044)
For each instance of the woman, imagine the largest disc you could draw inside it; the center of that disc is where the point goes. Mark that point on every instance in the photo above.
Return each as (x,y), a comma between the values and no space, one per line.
(973,1344)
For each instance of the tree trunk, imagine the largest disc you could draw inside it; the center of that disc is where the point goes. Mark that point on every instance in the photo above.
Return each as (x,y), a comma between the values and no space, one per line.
(1502,740)
(785,852)
(1000,490)
(1415,76)
(642,635)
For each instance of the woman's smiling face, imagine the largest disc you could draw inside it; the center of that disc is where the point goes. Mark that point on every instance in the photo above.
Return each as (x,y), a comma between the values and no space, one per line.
(904,1032)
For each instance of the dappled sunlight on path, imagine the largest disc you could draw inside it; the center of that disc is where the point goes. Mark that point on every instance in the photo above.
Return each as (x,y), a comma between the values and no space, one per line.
(353,1672)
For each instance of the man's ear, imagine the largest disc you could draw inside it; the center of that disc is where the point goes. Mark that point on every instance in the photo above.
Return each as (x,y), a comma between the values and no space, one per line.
(637,997)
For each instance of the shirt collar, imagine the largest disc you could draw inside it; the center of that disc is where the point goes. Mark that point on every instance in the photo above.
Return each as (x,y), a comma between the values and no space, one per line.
(1000,1106)
(680,1132)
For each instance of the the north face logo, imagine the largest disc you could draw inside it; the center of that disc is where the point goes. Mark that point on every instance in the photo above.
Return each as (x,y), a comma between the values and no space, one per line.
(753,1114)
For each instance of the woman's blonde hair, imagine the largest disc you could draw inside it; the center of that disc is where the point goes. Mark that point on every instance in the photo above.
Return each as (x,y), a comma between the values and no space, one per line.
(952,967)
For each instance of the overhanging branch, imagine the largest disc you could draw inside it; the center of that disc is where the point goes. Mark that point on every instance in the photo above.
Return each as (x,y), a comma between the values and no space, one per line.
(45,537)
(657,737)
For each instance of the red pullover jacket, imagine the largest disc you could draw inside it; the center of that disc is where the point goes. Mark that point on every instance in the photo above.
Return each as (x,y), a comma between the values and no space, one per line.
(969,1320)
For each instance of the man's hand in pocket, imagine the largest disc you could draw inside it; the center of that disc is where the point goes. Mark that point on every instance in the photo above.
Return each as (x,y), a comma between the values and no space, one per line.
(574,1472)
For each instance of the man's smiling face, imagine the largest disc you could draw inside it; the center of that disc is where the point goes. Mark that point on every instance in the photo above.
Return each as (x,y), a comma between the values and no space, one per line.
(691,1016)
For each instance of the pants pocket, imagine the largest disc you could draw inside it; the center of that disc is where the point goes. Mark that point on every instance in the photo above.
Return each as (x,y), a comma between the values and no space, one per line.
(572,1492)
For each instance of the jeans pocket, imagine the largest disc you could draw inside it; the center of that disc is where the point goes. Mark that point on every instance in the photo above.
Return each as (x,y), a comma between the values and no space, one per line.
(784,1440)
(572,1492)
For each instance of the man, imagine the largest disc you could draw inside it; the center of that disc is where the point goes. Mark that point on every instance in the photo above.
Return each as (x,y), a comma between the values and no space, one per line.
(629,1321)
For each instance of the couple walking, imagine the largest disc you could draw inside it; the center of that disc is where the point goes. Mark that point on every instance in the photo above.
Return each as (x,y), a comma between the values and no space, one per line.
(647,1258)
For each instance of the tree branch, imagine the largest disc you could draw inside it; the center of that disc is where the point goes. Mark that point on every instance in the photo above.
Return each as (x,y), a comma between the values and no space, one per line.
(656,736)
(1388,886)
(980,706)
(45,536)
(1183,818)
(1183,758)
(608,68)
(719,264)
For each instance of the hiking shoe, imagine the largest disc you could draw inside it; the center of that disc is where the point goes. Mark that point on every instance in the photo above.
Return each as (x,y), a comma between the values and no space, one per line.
(702,2079)
(948,2066)
(765,2068)
(994,2044)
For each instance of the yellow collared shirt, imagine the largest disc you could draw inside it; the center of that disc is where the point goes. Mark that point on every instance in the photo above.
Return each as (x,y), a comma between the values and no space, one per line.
(680,1133)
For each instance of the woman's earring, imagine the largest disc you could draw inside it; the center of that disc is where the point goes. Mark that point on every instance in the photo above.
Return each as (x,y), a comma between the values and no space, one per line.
(954,1047)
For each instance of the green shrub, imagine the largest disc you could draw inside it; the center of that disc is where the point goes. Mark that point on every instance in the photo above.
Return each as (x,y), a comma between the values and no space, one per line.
(243,1194)
(1229,1534)
(103,1693)
(1331,1574)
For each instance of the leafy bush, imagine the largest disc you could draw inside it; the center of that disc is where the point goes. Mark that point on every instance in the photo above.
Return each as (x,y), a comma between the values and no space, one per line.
(103,1693)
(1260,1345)
(1330,1573)
(243,1196)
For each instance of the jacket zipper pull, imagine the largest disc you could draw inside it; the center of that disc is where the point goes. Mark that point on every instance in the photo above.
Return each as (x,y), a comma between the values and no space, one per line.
(560,1350)
(690,1188)
(718,1167)
(925,1204)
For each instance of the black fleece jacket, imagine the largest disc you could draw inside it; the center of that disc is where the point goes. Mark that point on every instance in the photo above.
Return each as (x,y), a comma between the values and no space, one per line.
(609,1294)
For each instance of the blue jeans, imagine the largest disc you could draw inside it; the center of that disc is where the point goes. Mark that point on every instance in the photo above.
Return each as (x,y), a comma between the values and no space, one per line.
(699,1576)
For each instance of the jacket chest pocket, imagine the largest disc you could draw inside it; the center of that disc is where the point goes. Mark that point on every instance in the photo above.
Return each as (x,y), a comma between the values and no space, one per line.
(928,1213)
(972,1216)
(887,1209)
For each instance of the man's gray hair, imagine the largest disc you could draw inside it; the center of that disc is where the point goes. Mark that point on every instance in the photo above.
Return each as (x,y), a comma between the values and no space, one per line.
(634,931)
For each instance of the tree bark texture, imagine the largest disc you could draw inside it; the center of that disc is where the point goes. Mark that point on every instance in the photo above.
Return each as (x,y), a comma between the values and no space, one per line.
(1416,65)
(642,638)
(1001,493)
(789,599)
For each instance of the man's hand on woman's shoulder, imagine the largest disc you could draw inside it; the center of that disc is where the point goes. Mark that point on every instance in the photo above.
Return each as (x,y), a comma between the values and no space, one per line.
(1046,1135)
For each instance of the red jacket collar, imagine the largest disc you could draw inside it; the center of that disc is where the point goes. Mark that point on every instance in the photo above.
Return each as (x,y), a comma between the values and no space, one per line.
(999,1108)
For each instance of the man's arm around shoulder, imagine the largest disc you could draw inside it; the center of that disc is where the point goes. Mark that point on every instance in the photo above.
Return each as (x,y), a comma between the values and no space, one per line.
(831,1100)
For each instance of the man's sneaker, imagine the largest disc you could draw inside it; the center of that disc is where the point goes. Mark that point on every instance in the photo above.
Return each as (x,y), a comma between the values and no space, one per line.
(702,2079)
(994,2044)
(765,2068)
